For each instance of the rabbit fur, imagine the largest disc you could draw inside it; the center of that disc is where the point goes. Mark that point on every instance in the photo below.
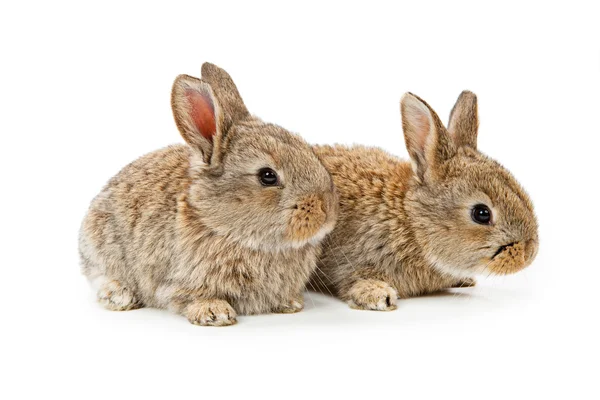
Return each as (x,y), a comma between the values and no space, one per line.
(406,228)
(190,228)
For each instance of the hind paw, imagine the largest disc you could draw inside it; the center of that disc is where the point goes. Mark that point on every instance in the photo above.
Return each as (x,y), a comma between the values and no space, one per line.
(116,297)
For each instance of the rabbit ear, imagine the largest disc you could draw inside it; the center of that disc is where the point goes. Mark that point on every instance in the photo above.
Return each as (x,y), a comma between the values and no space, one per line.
(226,93)
(464,121)
(197,114)
(427,141)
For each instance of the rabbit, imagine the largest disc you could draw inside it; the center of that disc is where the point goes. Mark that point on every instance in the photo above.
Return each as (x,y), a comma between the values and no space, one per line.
(407,229)
(228,224)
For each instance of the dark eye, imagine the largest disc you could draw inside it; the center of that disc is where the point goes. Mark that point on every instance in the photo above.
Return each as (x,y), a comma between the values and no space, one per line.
(481,214)
(268,177)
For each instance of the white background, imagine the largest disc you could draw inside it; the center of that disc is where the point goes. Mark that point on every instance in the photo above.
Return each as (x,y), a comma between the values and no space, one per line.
(85,89)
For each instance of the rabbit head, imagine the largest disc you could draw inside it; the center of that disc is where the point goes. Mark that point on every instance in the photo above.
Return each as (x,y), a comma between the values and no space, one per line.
(469,214)
(253,182)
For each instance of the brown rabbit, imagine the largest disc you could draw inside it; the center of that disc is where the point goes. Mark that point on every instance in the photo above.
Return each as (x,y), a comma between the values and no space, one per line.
(228,224)
(406,231)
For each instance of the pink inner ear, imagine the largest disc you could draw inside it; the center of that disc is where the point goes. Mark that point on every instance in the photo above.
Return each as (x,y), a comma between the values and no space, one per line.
(202,113)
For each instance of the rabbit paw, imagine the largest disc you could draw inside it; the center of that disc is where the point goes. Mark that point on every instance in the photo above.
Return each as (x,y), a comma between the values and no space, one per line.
(116,297)
(293,306)
(466,282)
(371,294)
(210,313)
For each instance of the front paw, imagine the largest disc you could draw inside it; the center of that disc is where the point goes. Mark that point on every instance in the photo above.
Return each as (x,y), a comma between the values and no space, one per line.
(371,294)
(293,306)
(466,282)
(210,313)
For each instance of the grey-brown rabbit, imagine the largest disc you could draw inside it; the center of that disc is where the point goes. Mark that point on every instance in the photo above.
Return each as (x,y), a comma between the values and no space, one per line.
(228,224)
(404,231)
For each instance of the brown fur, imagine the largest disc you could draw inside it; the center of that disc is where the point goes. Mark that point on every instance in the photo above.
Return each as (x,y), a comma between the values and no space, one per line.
(407,230)
(191,228)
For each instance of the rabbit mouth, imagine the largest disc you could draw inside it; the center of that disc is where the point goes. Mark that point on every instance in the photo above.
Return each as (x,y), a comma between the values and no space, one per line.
(502,248)
(316,238)
(307,221)
(512,257)
(507,259)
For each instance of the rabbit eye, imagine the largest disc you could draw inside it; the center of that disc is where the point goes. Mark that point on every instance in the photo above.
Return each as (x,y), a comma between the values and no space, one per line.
(268,177)
(481,214)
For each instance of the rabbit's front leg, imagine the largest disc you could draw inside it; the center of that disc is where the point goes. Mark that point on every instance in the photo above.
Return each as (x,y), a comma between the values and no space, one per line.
(371,294)
(463,283)
(212,312)
(198,307)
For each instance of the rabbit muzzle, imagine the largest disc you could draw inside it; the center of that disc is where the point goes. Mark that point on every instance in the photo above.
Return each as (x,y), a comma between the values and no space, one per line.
(513,257)
(312,218)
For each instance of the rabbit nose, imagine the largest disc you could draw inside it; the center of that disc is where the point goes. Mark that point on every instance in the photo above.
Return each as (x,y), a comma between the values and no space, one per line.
(307,218)
(311,203)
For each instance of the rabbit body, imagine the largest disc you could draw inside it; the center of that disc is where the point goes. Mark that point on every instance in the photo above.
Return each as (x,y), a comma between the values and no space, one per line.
(200,229)
(142,232)
(372,257)
(411,228)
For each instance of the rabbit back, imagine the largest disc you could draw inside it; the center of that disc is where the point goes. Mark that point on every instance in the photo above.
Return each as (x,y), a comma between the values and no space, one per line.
(129,231)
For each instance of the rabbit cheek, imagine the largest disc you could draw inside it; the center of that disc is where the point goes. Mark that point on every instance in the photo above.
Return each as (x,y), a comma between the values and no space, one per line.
(509,260)
(270,196)
(307,219)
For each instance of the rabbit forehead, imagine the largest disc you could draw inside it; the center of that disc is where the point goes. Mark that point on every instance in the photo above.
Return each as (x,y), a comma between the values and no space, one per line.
(475,178)
(275,147)
(478,172)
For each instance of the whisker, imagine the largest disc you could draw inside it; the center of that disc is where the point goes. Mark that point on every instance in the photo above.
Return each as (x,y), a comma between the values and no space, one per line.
(321,280)
(346,257)
(328,242)
(309,295)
